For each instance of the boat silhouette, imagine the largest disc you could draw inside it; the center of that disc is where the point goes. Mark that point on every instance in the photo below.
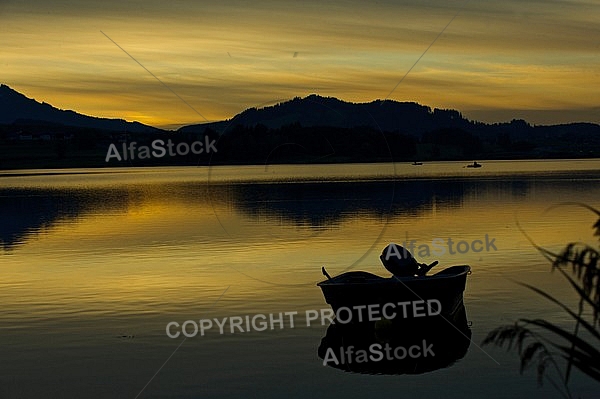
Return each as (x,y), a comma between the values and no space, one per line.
(355,289)
(408,312)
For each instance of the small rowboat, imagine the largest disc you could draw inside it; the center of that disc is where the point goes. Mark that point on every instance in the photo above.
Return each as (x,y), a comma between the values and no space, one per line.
(357,289)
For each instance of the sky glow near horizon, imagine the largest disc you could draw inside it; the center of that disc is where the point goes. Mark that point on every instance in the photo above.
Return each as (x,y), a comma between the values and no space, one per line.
(537,60)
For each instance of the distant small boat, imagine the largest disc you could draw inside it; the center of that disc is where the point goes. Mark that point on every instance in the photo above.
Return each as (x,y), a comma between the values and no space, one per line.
(474,165)
(417,163)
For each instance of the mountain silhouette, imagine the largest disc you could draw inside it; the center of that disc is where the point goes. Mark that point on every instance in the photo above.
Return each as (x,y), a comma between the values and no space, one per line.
(17,108)
(432,125)
(313,129)
(316,110)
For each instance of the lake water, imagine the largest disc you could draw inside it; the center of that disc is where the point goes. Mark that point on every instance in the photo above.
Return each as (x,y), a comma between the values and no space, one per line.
(95,263)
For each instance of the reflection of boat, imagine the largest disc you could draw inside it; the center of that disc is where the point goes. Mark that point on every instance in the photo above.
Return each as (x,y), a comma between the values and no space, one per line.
(474,165)
(381,347)
(417,163)
(359,288)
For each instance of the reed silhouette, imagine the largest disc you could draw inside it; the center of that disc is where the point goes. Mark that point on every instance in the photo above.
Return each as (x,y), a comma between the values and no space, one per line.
(547,345)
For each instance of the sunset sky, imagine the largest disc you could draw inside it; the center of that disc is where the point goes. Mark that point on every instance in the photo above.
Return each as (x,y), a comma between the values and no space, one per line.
(537,60)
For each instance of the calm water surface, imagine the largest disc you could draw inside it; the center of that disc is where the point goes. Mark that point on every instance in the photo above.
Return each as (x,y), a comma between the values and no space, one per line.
(95,263)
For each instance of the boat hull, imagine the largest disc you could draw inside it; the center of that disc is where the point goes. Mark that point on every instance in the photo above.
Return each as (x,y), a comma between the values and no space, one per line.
(355,290)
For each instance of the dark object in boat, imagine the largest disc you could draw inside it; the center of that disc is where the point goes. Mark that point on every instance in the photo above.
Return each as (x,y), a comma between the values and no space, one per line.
(400,262)
(474,165)
(447,339)
(352,289)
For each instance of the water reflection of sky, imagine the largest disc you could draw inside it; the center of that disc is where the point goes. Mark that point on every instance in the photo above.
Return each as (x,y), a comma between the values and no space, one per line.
(83,265)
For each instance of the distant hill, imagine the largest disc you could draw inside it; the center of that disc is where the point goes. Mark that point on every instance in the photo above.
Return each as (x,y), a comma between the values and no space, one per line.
(315,110)
(17,108)
(435,131)
(387,116)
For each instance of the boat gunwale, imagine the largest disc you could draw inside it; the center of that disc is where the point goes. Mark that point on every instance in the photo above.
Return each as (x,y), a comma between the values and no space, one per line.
(397,280)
